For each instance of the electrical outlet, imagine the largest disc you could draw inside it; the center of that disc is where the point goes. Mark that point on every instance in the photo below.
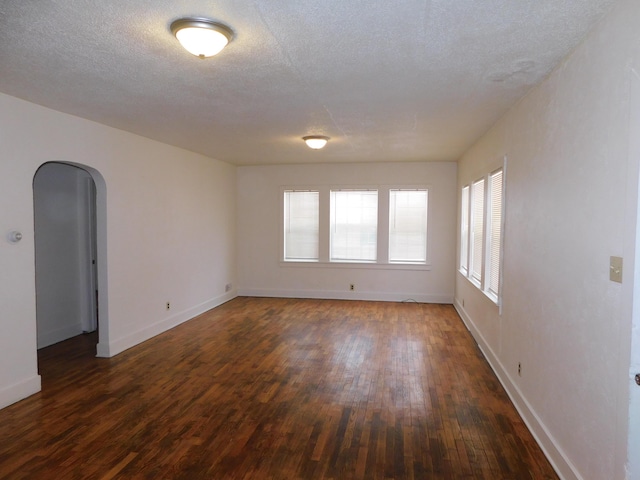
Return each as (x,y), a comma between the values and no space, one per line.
(519,369)
(228,287)
(352,287)
(168,305)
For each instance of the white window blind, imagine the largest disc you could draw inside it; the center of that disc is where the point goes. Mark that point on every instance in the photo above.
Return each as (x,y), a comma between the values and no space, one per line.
(408,226)
(477,229)
(354,225)
(301,225)
(464,230)
(495,231)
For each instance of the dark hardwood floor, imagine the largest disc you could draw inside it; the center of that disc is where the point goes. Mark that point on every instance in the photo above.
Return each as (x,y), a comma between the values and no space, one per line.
(275,389)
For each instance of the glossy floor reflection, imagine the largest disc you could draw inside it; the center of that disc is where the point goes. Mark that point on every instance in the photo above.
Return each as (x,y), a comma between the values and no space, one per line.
(276,389)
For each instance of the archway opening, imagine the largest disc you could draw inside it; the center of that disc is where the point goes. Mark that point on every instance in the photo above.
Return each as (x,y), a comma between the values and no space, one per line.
(70,254)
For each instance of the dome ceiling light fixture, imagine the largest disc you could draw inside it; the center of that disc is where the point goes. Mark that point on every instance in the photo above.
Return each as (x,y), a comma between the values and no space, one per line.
(201,37)
(315,142)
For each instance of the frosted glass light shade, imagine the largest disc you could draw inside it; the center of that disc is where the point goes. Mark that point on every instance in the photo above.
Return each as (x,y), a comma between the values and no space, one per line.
(315,141)
(201,37)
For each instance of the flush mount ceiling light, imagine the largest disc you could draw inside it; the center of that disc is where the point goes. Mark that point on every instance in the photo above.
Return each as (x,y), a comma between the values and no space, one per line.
(200,36)
(315,141)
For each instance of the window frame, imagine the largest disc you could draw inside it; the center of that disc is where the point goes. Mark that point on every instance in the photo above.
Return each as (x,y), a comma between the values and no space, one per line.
(324,260)
(333,257)
(477,239)
(465,199)
(285,225)
(425,247)
(483,281)
(491,241)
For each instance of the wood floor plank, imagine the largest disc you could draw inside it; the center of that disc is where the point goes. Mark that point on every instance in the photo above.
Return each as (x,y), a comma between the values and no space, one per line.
(275,389)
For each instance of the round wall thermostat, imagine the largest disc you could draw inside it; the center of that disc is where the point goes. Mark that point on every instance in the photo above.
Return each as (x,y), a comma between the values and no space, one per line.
(14,237)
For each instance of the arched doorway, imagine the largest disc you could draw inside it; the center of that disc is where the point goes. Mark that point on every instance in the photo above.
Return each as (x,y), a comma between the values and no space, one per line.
(70,253)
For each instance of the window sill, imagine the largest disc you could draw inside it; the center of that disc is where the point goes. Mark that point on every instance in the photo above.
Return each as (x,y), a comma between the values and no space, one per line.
(358,265)
(493,298)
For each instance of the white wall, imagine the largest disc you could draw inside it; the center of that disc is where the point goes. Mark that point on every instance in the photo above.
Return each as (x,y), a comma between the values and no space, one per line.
(568,205)
(633,244)
(261,273)
(170,231)
(62,251)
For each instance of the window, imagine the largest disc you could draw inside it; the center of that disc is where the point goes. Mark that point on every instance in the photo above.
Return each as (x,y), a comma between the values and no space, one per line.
(372,226)
(408,226)
(494,231)
(301,225)
(481,206)
(354,225)
(464,230)
(477,229)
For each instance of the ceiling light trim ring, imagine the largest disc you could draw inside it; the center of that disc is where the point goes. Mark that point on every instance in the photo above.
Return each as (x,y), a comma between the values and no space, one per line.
(200,22)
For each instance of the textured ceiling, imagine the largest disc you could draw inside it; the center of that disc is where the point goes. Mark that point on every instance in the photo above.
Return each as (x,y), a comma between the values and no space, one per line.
(386,80)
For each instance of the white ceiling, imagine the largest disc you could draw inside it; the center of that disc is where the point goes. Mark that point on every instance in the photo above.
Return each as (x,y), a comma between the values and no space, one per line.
(387,80)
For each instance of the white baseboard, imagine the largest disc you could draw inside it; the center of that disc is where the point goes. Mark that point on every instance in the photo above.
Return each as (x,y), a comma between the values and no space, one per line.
(120,345)
(103,351)
(342,295)
(49,338)
(562,465)
(18,391)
